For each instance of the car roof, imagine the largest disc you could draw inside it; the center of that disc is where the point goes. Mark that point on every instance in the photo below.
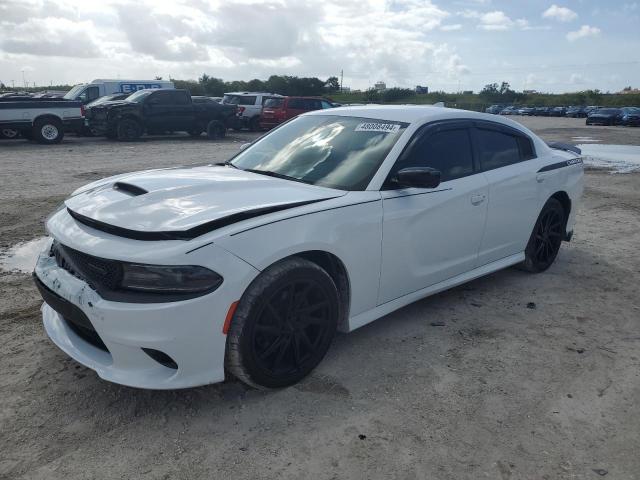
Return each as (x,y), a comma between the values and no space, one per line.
(411,113)
(254,93)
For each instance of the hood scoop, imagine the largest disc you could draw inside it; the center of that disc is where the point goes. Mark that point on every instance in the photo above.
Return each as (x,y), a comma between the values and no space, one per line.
(130,189)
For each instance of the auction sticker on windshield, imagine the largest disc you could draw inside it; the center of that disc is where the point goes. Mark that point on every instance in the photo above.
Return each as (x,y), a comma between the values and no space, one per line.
(378,127)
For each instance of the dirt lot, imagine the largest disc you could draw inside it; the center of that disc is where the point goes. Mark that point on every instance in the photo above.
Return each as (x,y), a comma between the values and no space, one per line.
(506,389)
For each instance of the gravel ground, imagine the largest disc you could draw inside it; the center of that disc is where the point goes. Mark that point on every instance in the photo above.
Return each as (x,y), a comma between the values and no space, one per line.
(530,376)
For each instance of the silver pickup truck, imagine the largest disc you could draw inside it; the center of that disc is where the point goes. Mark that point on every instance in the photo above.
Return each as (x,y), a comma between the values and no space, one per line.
(42,120)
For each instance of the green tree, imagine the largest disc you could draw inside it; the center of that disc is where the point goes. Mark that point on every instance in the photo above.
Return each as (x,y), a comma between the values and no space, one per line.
(332,84)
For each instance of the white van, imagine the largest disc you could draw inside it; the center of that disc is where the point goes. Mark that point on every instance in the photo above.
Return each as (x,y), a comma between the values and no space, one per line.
(88,92)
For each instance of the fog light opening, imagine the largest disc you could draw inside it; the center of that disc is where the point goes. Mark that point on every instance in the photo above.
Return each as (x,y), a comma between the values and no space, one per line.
(161,357)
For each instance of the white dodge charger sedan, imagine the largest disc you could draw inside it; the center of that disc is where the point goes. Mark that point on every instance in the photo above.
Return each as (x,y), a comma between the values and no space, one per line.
(175,277)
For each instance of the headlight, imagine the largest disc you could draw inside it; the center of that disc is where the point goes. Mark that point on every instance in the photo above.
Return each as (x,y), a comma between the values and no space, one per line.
(168,278)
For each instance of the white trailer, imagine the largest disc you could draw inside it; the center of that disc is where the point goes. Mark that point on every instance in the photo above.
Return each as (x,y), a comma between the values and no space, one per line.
(88,92)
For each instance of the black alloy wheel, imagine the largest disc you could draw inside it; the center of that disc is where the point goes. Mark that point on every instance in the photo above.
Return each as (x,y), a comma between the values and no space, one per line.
(291,326)
(284,324)
(546,238)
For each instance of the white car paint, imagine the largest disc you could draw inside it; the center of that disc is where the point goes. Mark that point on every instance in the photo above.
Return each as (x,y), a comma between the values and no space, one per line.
(395,248)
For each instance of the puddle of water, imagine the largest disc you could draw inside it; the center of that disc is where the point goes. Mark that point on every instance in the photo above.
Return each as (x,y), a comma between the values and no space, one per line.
(22,256)
(585,139)
(620,158)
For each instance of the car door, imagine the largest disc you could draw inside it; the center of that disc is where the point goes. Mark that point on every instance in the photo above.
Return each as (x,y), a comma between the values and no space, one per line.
(295,106)
(431,235)
(157,111)
(508,160)
(181,111)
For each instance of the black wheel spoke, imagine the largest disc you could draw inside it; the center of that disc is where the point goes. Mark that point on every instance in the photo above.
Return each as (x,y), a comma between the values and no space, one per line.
(291,327)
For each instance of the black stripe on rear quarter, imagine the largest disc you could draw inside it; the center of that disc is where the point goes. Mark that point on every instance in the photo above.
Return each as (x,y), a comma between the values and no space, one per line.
(566,163)
(190,233)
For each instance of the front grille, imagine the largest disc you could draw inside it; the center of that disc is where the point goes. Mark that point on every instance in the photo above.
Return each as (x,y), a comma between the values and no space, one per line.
(99,273)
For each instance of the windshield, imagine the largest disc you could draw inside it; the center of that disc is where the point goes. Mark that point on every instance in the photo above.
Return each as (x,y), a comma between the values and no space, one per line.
(73,93)
(327,150)
(607,111)
(139,96)
(101,100)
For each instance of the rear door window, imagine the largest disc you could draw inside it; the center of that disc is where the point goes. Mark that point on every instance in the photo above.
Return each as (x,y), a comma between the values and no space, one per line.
(497,148)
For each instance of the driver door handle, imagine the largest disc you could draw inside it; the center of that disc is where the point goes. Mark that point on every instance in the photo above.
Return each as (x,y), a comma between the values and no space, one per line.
(477,199)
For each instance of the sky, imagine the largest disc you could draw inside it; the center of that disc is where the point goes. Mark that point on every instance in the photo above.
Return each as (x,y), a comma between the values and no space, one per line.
(549,46)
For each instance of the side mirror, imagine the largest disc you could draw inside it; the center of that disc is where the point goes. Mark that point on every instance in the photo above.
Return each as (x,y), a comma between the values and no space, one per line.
(244,146)
(417,177)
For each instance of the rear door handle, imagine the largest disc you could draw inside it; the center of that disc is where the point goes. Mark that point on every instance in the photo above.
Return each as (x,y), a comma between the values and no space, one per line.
(477,199)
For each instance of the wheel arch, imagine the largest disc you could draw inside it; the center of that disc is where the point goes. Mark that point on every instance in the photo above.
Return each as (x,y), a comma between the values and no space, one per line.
(46,116)
(565,201)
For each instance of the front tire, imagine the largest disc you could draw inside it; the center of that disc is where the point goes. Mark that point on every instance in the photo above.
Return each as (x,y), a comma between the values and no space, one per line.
(283,325)
(48,131)
(128,130)
(546,238)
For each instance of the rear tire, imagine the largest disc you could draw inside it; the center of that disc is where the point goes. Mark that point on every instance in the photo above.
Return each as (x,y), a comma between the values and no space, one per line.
(9,133)
(216,130)
(254,123)
(283,325)
(128,130)
(546,238)
(48,131)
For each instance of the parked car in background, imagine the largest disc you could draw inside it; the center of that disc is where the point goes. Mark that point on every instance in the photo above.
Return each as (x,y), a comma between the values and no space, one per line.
(576,112)
(88,92)
(495,109)
(527,111)
(542,111)
(156,111)
(510,110)
(630,117)
(278,110)
(558,112)
(249,107)
(604,116)
(179,277)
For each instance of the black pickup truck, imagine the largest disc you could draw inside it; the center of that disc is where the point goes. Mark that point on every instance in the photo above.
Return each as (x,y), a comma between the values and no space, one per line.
(156,111)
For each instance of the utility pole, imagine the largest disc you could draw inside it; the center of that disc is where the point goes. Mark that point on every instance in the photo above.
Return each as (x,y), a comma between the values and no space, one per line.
(341,79)
(13,84)
(24,80)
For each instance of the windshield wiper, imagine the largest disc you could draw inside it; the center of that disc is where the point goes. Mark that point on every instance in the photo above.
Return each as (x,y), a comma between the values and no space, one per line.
(225,164)
(269,173)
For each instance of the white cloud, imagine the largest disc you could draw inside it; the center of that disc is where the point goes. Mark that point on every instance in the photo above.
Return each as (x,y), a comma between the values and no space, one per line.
(561,14)
(451,27)
(584,31)
(577,79)
(496,20)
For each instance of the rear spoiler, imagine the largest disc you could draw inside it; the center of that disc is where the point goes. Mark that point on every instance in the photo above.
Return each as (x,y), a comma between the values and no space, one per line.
(567,147)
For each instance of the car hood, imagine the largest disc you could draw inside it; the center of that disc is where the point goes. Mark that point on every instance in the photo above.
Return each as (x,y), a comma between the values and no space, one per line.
(183,203)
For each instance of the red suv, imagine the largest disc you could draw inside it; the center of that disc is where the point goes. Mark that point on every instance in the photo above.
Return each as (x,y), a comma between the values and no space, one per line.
(277,110)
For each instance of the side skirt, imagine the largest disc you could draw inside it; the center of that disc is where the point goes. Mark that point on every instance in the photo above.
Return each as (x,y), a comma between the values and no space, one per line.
(386,308)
